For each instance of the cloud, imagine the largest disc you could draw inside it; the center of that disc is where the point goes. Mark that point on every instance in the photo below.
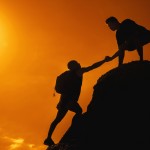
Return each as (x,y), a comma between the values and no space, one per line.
(9,143)
(13,144)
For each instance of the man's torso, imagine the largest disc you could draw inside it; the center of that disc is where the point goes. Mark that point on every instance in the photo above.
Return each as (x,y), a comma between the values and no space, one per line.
(129,30)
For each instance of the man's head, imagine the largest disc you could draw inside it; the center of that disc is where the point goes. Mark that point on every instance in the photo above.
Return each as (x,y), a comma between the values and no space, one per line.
(73,65)
(113,23)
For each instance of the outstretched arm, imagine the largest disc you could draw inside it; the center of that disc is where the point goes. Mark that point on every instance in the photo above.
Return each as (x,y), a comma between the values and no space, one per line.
(121,49)
(114,56)
(117,54)
(95,65)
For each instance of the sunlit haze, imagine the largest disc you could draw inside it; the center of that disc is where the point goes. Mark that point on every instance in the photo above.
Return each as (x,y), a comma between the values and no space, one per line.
(37,39)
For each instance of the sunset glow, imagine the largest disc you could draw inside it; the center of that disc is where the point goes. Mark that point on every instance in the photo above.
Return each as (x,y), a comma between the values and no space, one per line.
(37,39)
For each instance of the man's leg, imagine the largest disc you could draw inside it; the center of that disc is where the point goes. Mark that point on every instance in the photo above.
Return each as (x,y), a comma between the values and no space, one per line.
(140,53)
(60,115)
(75,107)
(74,129)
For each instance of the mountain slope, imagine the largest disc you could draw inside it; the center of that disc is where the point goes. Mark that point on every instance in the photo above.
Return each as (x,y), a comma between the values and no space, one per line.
(118,112)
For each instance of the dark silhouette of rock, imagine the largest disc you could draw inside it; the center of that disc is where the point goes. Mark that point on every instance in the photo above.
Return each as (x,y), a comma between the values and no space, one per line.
(118,112)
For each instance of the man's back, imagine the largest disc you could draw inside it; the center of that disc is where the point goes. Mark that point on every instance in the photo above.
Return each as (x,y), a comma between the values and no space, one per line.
(74,84)
(70,84)
(126,29)
(129,30)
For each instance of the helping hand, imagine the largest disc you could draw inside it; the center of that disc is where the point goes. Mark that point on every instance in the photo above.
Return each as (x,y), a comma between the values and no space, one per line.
(107,58)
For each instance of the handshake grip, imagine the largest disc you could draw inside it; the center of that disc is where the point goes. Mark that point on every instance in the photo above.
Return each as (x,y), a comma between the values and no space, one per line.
(108,58)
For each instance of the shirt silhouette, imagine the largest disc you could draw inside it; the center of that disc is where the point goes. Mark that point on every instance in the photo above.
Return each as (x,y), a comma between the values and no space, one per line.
(69,100)
(130,36)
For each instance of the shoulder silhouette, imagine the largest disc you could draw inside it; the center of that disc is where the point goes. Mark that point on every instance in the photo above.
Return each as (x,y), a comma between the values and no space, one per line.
(129,36)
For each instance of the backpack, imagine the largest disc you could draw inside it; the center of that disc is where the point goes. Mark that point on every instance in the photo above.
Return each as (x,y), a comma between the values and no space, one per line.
(61,82)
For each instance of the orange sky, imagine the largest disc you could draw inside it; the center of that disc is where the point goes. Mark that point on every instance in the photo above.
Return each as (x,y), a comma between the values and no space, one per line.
(37,39)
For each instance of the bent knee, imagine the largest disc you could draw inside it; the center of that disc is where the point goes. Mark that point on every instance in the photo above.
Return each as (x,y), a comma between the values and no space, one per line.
(79,111)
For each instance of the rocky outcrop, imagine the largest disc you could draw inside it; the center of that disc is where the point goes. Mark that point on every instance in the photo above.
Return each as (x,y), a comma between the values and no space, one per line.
(118,112)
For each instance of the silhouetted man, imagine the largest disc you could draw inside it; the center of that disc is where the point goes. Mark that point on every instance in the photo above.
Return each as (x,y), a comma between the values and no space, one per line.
(69,101)
(129,35)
